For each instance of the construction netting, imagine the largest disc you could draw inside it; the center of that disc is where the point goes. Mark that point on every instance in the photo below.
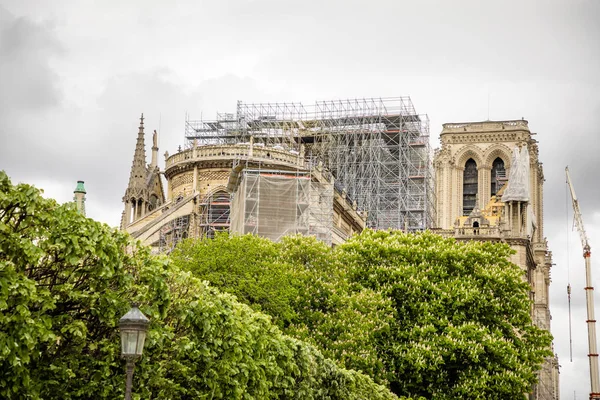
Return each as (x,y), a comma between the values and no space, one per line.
(274,204)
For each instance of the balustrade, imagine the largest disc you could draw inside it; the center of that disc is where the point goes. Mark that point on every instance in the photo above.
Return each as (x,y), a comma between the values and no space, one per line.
(233,152)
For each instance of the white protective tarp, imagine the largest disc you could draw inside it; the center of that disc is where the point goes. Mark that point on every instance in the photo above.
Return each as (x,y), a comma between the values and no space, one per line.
(274,205)
(518,179)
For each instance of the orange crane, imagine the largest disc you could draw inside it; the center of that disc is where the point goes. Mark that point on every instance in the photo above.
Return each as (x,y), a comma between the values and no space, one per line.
(589,295)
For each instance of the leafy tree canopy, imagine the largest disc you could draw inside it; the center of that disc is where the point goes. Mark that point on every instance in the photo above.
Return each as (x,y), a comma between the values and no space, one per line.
(463,326)
(429,316)
(303,286)
(64,282)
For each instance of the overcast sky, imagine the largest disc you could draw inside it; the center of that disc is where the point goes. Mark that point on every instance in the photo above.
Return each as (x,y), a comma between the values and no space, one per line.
(75,76)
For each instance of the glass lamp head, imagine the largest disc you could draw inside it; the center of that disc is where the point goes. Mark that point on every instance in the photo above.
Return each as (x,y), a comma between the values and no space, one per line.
(133,327)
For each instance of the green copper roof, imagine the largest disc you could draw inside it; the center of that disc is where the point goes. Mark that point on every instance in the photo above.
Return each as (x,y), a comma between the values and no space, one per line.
(79,188)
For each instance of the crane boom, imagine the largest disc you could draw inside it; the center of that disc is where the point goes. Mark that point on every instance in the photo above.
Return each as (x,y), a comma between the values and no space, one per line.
(577,214)
(589,295)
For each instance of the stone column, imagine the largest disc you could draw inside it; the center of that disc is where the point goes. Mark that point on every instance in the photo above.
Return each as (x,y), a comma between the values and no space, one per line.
(439,193)
(127,212)
(138,207)
(484,173)
(195,180)
(457,195)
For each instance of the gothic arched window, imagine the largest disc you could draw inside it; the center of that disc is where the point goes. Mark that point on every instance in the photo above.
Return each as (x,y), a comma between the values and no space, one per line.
(498,175)
(469,186)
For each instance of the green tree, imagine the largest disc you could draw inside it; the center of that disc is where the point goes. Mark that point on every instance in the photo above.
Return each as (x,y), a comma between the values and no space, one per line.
(301,284)
(64,282)
(246,266)
(463,327)
(429,316)
(219,348)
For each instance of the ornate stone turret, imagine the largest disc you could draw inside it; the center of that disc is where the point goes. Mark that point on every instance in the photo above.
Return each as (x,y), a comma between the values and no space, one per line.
(144,191)
(79,197)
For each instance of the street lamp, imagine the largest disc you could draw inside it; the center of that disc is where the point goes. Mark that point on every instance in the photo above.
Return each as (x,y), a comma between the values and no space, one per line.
(133,327)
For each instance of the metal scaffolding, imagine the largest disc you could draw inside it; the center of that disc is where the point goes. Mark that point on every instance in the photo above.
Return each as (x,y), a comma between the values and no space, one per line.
(206,132)
(172,233)
(214,214)
(376,148)
(274,204)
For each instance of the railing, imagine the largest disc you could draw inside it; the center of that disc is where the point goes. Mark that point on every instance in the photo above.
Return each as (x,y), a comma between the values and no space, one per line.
(540,246)
(480,231)
(232,152)
(466,232)
(485,126)
(419,141)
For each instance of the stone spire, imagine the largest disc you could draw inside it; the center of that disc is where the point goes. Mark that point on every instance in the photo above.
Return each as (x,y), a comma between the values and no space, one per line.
(136,196)
(137,177)
(79,197)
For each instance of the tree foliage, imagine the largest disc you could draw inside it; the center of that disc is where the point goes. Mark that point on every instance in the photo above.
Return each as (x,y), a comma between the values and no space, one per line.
(429,316)
(302,286)
(463,326)
(64,282)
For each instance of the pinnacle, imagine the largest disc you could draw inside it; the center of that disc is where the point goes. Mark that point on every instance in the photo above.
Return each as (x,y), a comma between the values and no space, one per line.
(137,177)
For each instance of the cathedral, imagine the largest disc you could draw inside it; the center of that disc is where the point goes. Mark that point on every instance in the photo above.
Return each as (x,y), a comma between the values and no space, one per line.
(489,186)
(239,187)
(486,184)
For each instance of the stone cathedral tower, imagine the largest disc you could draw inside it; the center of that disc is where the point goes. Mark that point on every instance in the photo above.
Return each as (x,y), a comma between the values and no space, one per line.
(489,186)
(144,192)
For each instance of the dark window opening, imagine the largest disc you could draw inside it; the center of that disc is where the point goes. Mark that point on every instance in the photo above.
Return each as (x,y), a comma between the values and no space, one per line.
(469,186)
(498,176)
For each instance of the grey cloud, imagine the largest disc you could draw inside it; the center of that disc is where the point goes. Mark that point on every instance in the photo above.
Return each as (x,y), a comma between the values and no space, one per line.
(27,80)
(504,40)
(29,88)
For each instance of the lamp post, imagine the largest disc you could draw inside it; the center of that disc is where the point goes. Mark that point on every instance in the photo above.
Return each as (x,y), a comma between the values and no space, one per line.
(133,327)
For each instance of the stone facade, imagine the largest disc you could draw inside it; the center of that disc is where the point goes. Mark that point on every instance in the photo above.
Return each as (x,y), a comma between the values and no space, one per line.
(470,174)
